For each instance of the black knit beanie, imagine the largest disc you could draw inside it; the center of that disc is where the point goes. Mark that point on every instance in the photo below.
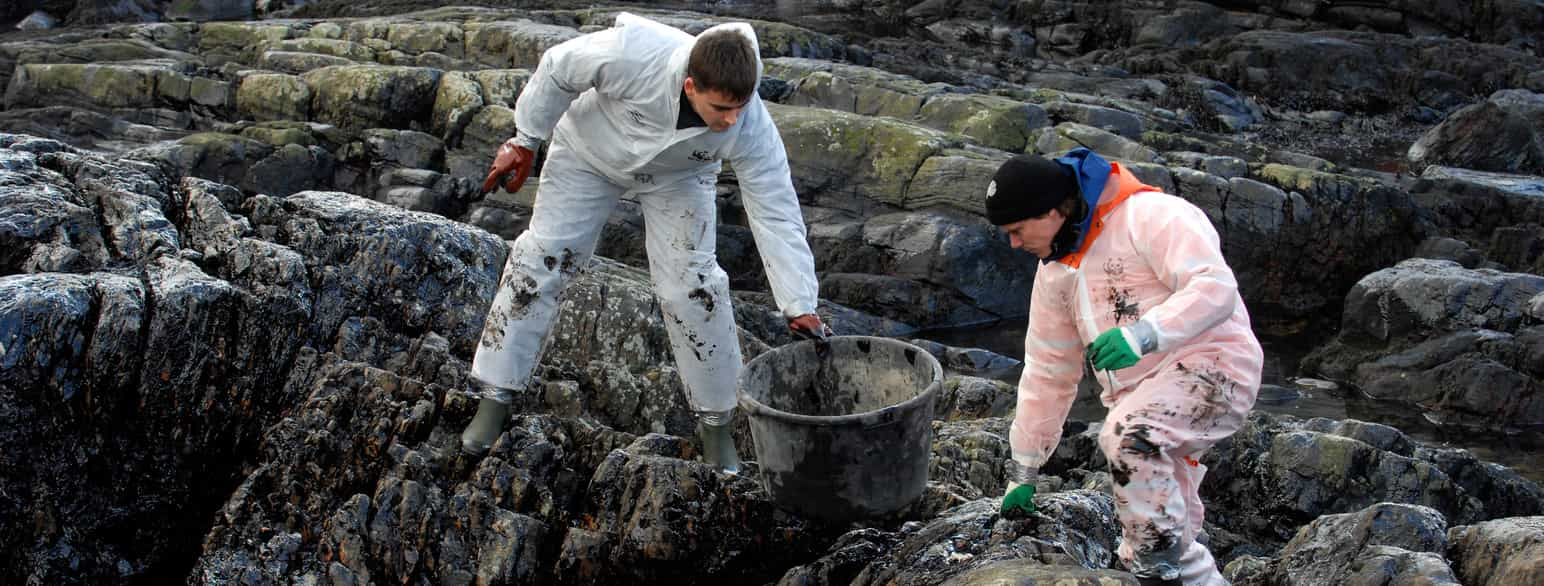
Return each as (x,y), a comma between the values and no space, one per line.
(1027,186)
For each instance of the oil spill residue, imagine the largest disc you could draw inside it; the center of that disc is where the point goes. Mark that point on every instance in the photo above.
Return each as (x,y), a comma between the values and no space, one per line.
(1156,543)
(1213,392)
(1124,309)
(703,298)
(570,263)
(497,321)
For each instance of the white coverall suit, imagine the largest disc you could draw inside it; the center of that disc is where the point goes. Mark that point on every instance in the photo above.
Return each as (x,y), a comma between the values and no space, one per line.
(613,97)
(1154,258)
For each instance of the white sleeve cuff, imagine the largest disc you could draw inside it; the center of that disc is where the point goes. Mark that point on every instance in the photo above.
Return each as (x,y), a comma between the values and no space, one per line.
(1028,462)
(798,309)
(1142,337)
(527,141)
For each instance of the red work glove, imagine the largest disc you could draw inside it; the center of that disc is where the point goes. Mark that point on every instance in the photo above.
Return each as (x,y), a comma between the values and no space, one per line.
(809,325)
(510,158)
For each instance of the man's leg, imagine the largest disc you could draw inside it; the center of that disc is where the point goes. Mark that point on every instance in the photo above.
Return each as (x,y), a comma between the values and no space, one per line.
(572,205)
(681,223)
(1153,438)
(1196,564)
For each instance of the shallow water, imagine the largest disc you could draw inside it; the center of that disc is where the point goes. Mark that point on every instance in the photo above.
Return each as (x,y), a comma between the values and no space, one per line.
(1279,394)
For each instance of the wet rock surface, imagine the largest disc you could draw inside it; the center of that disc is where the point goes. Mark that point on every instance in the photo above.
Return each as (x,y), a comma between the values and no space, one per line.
(1462,344)
(1515,143)
(240,287)
(1383,544)
(1504,551)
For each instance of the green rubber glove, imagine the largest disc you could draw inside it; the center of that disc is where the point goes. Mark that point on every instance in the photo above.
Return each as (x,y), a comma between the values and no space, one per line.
(1019,501)
(1110,351)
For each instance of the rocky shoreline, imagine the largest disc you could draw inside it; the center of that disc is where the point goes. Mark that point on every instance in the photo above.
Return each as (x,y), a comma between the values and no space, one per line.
(242,273)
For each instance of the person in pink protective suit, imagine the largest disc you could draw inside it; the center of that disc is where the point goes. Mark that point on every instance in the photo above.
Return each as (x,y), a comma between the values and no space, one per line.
(1133,281)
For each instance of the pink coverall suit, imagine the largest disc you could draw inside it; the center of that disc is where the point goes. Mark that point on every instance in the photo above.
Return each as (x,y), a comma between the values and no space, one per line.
(1154,258)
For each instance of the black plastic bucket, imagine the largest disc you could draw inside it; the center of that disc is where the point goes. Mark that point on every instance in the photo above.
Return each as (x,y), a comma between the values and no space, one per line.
(843,428)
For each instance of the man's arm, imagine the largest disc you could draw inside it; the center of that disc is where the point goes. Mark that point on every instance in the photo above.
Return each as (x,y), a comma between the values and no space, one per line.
(1052,367)
(1182,247)
(761,164)
(565,71)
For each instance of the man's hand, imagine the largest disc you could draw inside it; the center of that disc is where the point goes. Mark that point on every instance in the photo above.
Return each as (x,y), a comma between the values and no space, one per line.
(510,158)
(809,325)
(1112,350)
(1018,501)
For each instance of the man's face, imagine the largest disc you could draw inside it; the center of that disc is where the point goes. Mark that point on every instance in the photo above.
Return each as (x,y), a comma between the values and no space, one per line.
(1034,235)
(716,108)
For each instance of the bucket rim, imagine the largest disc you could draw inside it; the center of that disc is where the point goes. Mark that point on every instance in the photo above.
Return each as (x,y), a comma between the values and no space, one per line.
(866,418)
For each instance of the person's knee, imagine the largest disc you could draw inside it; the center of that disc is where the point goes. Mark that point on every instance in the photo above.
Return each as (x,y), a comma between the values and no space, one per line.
(565,256)
(699,284)
(702,266)
(1129,445)
(1131,436)
(540,271)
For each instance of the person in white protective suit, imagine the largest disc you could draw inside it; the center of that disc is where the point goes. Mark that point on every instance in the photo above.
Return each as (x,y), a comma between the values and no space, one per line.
(1133,281)
(645,109)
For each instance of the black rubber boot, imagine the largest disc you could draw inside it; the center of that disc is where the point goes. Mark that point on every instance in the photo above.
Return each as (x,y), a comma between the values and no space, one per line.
(485,427)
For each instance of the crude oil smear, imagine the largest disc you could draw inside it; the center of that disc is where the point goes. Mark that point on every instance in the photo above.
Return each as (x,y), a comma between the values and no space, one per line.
(1214,391)
(704,298)
(498,319)
(1158,542)
(821,392)
(1120,472)
(848,382)
(570,263)
(523,297)
(836,391)
(692,341)
(1125,310)
(1134,440)
(812,403)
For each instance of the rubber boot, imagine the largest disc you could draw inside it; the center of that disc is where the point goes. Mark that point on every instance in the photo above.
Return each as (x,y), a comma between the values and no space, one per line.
(715,429)
(485,427)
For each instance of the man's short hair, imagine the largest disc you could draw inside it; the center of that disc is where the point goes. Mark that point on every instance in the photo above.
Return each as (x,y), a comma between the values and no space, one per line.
(724,61)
